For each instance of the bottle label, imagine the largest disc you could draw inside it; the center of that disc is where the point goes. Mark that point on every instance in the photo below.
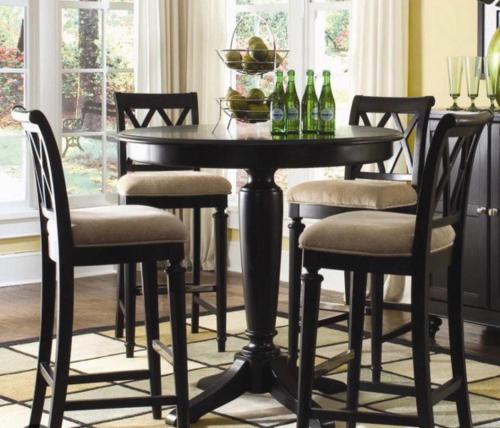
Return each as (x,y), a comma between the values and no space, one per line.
(327,115)
(278,114)
(293,114)
(315,113)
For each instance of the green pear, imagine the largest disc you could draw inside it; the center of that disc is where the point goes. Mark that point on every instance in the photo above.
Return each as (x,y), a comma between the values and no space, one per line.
(230,92)
(258,112)
(256,96)
(255,39)
(238,105)
(249,64)
(233,59)
(271,57)
(258,50)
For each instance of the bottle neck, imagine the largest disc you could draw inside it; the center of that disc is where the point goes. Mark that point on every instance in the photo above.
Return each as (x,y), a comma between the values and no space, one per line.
(291,86)
(310,80)
(326,80)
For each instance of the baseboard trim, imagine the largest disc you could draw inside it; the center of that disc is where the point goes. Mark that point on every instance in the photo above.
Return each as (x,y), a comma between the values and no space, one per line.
(26,268)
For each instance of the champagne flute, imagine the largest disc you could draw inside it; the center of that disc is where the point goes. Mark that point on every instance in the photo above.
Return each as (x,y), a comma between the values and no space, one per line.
(492,76)
(473,69)
(454,80)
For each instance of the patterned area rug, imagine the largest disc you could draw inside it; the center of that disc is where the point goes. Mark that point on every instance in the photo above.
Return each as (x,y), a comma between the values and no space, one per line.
(100,351)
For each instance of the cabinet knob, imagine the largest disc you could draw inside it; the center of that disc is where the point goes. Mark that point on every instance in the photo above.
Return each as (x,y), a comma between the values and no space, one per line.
(493,212)
(482,211)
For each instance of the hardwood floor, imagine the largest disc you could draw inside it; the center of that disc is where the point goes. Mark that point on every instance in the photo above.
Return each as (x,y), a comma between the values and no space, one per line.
(95,307)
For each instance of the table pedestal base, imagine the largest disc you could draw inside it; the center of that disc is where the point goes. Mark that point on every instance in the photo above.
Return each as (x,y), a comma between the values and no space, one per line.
(272,376)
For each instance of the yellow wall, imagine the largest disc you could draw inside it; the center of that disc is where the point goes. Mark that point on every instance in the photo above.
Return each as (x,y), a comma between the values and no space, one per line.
(440,28)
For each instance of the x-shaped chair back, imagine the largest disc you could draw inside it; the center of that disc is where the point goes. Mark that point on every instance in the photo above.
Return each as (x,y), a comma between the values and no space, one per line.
(140,109)
(417,111)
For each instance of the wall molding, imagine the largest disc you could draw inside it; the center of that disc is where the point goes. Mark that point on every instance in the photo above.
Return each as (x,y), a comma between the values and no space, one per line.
(26,268)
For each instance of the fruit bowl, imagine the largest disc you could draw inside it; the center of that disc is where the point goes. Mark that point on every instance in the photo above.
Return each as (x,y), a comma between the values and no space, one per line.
(248,110)
(252,61)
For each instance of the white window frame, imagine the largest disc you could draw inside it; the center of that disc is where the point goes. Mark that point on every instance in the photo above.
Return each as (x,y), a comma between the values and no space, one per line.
(24,209)
(104,6)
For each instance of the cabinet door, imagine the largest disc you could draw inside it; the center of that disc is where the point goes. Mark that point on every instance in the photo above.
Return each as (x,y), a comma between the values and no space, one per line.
(475,258)
(494,232)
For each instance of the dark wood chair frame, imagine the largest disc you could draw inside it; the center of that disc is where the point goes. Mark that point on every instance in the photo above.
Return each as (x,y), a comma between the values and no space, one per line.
(442,201)
(127,106)
(57,295)
(390,108)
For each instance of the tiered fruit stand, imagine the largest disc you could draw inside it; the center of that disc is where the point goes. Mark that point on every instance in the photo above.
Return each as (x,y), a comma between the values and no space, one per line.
(252,62)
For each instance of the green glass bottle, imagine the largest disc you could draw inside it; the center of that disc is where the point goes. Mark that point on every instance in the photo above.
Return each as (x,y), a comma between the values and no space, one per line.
(310,105)
(278,122)
(326,107)
(292,106)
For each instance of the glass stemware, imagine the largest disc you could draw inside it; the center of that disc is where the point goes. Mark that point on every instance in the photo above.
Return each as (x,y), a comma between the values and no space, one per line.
(454,80)
(492,75)
(473,69)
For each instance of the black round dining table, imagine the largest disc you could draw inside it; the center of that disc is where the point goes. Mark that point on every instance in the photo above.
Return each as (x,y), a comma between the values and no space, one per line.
(260,367)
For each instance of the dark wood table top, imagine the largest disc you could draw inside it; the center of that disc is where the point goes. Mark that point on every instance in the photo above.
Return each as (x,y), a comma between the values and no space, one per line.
(253,146)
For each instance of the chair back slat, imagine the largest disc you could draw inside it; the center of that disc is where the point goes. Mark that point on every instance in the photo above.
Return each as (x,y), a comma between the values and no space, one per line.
(49,175)
(129,106)
(445,181)
(391,108)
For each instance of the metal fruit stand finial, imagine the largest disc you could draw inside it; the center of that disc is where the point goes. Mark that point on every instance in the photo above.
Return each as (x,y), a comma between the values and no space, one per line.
(258,62)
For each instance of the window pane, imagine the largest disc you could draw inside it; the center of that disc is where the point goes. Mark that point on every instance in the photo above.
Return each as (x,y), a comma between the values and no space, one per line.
(331,38)
(11,37)
(117,82)
(11,139)
(12,144)
(81,38)
(120,40)
(82,102)
(83,165)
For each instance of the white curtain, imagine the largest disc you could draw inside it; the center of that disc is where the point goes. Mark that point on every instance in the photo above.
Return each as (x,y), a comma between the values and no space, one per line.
(379,55)
(176,43)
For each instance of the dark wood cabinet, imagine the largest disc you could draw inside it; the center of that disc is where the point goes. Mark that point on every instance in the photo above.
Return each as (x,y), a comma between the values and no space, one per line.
(480,270)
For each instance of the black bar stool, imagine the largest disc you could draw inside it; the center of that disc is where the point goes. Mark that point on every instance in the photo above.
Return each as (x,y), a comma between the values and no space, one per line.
(165,188)
(383,190)
(401,244)
(100,236)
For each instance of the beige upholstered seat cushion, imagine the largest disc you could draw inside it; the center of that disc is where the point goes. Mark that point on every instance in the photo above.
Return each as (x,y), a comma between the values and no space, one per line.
(373,233)
(172,183)
(122,225)
(362,194)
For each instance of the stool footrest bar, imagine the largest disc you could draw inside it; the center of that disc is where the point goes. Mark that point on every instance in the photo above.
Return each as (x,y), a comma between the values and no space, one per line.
(109,376)
(365,417)
(116,403)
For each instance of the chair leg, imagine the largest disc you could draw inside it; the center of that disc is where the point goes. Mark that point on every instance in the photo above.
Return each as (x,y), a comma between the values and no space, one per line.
(120,287)
(347,286)
(457,348)
(130,306)
(356,331)
(65,304)
(177,299)
(420,348)
(295,267)
(310,309)
(196,240)
(377,313)
(150,286)
(46,328)
(220,225)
